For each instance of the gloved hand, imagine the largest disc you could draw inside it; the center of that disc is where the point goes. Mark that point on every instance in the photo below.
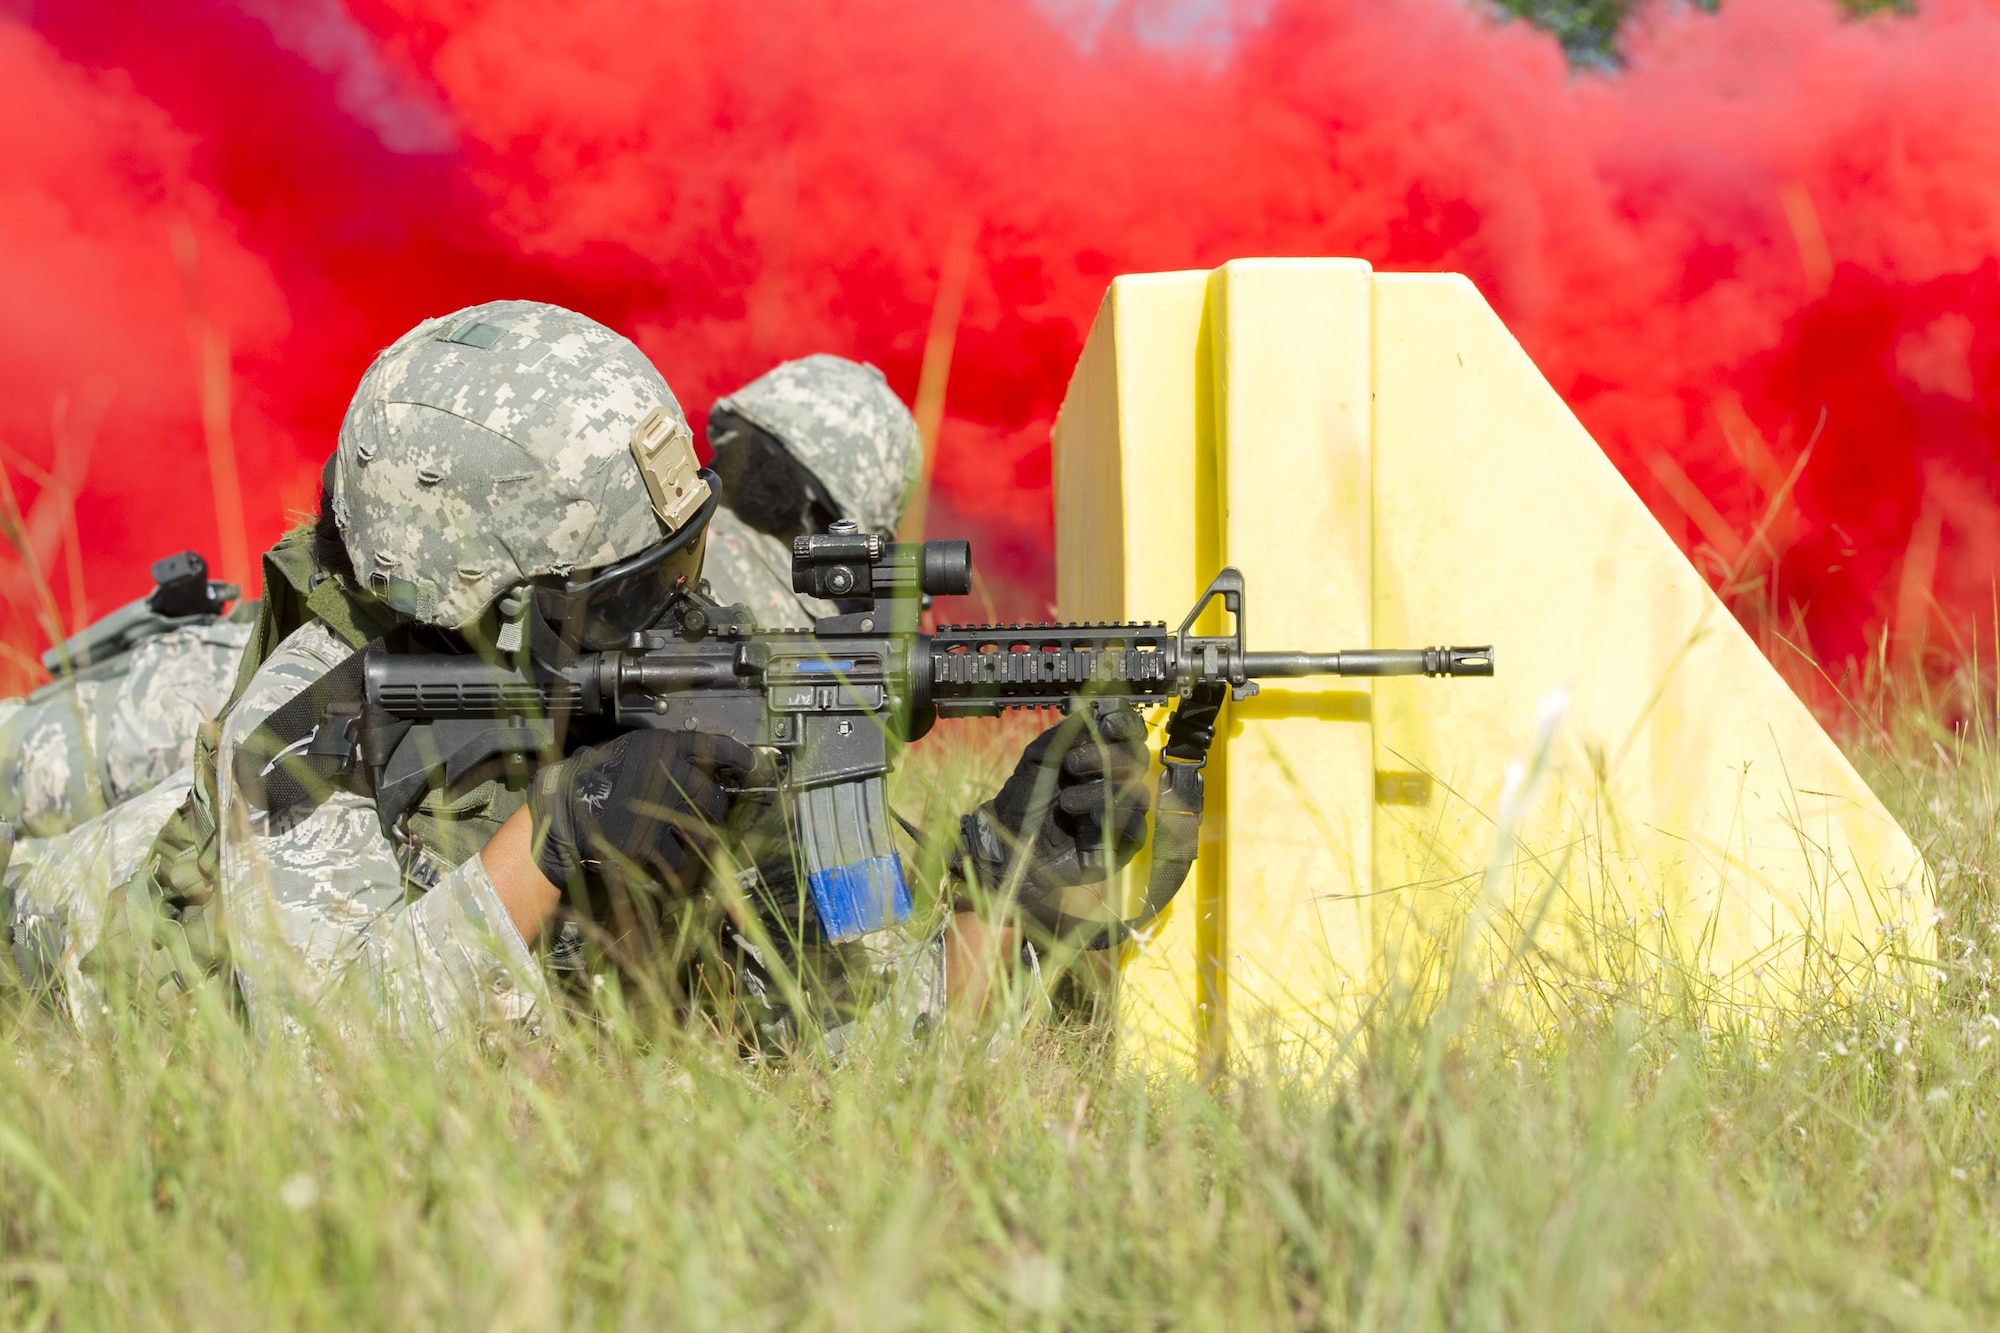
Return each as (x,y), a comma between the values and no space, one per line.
(1078,795)
(633,816)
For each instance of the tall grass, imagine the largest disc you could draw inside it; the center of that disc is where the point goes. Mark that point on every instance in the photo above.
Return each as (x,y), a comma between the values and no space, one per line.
(1633,1170)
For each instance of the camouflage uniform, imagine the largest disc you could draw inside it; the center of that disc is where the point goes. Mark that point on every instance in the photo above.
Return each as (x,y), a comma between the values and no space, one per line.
(323,899)
(75,748)
(754,569)
(58,890)
(842,423)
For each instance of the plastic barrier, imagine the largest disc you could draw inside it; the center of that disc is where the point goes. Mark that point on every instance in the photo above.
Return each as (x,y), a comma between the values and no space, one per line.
(1636,804)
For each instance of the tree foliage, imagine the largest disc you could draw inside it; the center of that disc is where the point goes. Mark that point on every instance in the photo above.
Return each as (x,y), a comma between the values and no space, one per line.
(1588,29)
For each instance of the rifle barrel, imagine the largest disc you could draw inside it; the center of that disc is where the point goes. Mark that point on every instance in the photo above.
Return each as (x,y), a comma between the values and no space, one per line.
(1373,662)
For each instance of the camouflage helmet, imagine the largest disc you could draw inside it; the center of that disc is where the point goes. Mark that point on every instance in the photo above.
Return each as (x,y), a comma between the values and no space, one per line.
(842,422)
(494,446)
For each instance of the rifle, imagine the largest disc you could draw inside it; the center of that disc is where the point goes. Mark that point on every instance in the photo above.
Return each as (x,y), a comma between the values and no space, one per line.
(182,595)
(826,709)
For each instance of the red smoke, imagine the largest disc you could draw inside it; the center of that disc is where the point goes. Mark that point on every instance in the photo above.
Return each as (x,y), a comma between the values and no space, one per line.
(1777,227)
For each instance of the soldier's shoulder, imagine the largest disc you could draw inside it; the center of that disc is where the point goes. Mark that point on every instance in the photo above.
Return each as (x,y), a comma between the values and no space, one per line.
(305,655)
(730,538)
(743,566)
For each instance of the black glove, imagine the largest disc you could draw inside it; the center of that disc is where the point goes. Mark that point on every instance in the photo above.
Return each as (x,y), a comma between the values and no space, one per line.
(1078,794)
(635,815)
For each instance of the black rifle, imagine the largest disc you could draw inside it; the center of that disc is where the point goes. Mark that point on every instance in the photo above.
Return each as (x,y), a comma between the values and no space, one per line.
(182,595)
(826,709)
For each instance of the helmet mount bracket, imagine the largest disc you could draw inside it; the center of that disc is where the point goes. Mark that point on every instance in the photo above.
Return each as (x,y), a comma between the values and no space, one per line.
(663,448)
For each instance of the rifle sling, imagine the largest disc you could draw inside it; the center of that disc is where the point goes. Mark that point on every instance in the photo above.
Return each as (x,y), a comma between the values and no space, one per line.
(293,760)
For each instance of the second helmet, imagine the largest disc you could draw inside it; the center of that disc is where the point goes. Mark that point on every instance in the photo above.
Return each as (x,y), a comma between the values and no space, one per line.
(844,424)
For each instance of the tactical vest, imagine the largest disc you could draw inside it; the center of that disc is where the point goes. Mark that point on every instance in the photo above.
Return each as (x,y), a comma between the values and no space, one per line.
(163,926)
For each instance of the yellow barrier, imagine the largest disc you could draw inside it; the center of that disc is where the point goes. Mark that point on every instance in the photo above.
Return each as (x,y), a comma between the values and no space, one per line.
(1388,468)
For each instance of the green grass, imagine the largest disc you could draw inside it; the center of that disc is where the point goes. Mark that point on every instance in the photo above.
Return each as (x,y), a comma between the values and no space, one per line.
(1631,1171)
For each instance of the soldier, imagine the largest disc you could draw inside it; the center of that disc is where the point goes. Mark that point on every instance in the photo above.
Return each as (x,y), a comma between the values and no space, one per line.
(117,725)
(490,463)
(814,440)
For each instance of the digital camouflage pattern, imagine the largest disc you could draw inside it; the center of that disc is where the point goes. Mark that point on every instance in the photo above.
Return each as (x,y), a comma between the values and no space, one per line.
(843,422)
(76,748)
(491,447)
(754,569)
(57,890)
(320,901)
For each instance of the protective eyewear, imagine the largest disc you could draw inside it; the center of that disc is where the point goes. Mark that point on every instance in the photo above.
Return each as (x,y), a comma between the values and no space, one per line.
(601,608)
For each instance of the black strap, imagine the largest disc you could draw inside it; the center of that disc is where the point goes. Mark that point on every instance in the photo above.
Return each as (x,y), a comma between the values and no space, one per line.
(305,750)
(916,834)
